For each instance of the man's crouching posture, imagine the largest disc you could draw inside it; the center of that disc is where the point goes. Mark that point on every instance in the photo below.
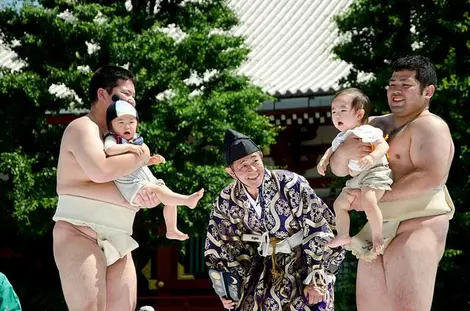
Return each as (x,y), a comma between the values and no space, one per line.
(92,234)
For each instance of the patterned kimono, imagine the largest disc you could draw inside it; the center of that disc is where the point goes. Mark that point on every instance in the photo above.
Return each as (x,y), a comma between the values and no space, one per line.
(274,282)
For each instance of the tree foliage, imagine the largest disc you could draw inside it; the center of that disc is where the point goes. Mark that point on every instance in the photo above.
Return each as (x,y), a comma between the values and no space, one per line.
(374,33)
(188,92)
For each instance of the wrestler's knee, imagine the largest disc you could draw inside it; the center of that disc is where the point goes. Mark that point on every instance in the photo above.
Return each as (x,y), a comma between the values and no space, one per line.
(86,304)
(371,288)
(441,228)
(122,285)
(85,290)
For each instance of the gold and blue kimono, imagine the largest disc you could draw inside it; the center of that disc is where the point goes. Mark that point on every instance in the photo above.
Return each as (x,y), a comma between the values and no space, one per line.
(276,255)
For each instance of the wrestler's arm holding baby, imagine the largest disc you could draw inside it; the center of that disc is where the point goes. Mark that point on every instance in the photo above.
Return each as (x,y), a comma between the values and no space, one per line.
(380,149)
(112,148)
(351,149)
(88,150)
(115,149)
(93,172)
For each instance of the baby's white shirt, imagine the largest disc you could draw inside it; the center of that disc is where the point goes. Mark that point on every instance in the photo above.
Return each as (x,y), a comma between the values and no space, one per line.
(368,134)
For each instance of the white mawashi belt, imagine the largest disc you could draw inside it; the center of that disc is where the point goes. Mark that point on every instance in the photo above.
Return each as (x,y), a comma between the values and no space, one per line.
(265,247)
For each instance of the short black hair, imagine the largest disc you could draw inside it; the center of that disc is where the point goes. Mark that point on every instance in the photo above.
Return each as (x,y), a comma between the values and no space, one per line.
(425,70)
(107,77)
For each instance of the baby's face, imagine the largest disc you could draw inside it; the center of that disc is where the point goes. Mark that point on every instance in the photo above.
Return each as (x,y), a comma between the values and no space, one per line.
(125,126)
(343,115)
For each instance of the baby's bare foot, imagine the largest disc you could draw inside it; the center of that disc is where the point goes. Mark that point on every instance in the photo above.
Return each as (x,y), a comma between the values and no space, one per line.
(176,235)
(339,241)
(194,198)
(378,246)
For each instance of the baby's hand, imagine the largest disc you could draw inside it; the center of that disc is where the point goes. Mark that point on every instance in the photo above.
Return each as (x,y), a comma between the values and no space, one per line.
(366,162)
(156,159)
(137,149)
(321,167)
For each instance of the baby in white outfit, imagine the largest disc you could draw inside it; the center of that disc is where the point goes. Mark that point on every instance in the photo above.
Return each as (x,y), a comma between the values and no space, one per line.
(371,174)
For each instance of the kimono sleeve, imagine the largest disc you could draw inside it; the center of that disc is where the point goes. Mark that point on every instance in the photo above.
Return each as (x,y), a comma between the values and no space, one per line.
(318,225)
(224,248)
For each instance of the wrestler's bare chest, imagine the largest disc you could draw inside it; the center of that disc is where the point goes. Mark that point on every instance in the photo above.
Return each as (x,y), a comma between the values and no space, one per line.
(400,143)
(70,174)
(399,155)
(69,170)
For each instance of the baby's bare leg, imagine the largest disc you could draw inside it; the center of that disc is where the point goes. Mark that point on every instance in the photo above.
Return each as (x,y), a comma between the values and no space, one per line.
(170,214)
(342,205)
(169,197)
(369,200)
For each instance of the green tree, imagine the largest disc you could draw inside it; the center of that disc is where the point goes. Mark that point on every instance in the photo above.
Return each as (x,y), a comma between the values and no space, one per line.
(188,93)
(374,33)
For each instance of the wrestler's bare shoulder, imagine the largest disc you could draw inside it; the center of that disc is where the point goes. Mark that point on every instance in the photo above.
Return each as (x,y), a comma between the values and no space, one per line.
(384,122)
(83,122)
(430,123)
(80,126)
(378,119)
(69,171)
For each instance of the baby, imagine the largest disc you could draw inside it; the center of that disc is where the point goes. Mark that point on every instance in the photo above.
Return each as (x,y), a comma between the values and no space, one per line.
(371,174)
(122,122)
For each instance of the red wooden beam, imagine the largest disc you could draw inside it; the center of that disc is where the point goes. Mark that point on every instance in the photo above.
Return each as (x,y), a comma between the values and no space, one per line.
(62,118)
(8,253)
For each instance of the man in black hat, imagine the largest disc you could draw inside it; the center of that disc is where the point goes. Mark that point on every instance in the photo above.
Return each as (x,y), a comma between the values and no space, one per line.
(268,229)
